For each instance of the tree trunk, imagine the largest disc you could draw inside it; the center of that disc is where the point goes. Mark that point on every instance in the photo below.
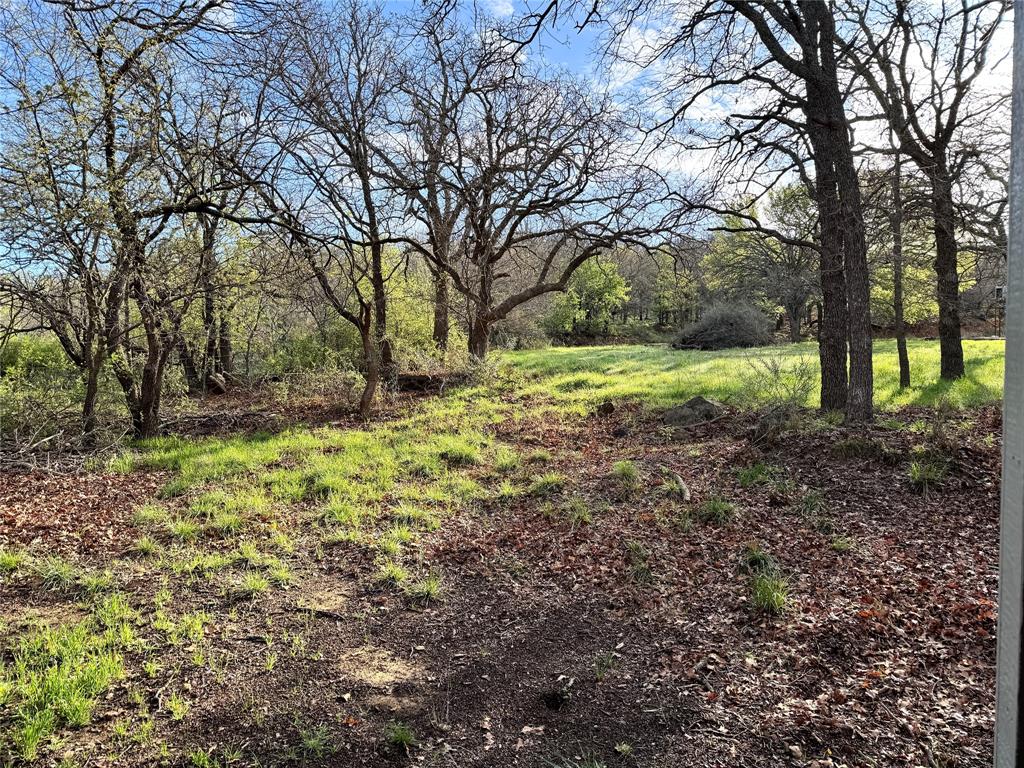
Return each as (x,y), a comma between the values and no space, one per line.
(385,358)
(149,400)
(372,365)
(226,350)
(793,318)
(832,309)
(844,248)
(896,225)
(193,380)
(479,336)
(92,388)
(860,401)
(441,321)
(948,279)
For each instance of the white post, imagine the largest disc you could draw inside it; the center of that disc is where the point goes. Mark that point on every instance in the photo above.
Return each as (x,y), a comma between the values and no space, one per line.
(1009,733)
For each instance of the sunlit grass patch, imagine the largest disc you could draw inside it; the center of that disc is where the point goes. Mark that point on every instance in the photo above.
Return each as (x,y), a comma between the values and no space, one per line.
(146,546)
(415,516)
(769,592)
(462,449)
(546,484)
(183,529)
(150,514)
(660,376)
(186,628)
(506,460)
(343,536)
(56,573)
(341,511)
(11,560)
(426,589)
(197,564)
(56,675)
(390,571)
(286,485)
(252,584)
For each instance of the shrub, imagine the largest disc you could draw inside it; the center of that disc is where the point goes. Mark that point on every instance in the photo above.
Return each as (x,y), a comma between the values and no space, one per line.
(724,326)
(779,383)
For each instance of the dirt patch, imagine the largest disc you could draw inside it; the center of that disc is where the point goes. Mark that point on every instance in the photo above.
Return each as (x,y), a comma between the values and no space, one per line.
(377,668)
(89,514)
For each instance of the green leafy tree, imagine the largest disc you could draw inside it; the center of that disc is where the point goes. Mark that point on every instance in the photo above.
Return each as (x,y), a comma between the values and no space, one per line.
(595,292)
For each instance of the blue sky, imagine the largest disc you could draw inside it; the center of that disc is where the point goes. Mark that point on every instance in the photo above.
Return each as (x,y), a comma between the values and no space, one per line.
(563,46)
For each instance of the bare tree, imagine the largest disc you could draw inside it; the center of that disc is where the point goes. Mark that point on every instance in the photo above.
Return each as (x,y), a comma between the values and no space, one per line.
(532,173)
(327,81)
(923,64)
(778,65)
(99,94)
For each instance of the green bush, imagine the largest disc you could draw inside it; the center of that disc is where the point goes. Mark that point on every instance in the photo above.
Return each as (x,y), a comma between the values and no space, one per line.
(40,391)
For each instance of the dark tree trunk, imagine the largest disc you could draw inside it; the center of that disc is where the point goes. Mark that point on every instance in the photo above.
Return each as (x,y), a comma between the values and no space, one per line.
(226,351)
(441,320)
(860,401)
(480,321)
(385,359)
(92,389)
(371,360)
(845,278)
(832,308)
(479,336)
(896,225)
(208,267)
(149,399)
(793,313)
(948,279)
(193,380)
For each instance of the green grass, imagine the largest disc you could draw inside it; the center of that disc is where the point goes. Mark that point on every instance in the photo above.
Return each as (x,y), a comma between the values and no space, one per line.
(246,512)
(56,573)
(426,589)
(756,560)
(546,484)
(11,560)
(399,736)
(716,510)
(579,378)
(626,475)
(769,593)
(756,474)
(56,675)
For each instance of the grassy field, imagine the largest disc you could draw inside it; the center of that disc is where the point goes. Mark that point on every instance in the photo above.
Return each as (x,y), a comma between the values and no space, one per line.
(661,376)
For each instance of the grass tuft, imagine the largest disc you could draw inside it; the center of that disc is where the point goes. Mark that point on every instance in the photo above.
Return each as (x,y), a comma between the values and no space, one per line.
(546,484)
(717,511)
(769,593)
(627,475)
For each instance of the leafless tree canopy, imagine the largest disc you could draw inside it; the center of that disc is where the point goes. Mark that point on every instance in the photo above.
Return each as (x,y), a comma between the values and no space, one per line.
(174,172)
